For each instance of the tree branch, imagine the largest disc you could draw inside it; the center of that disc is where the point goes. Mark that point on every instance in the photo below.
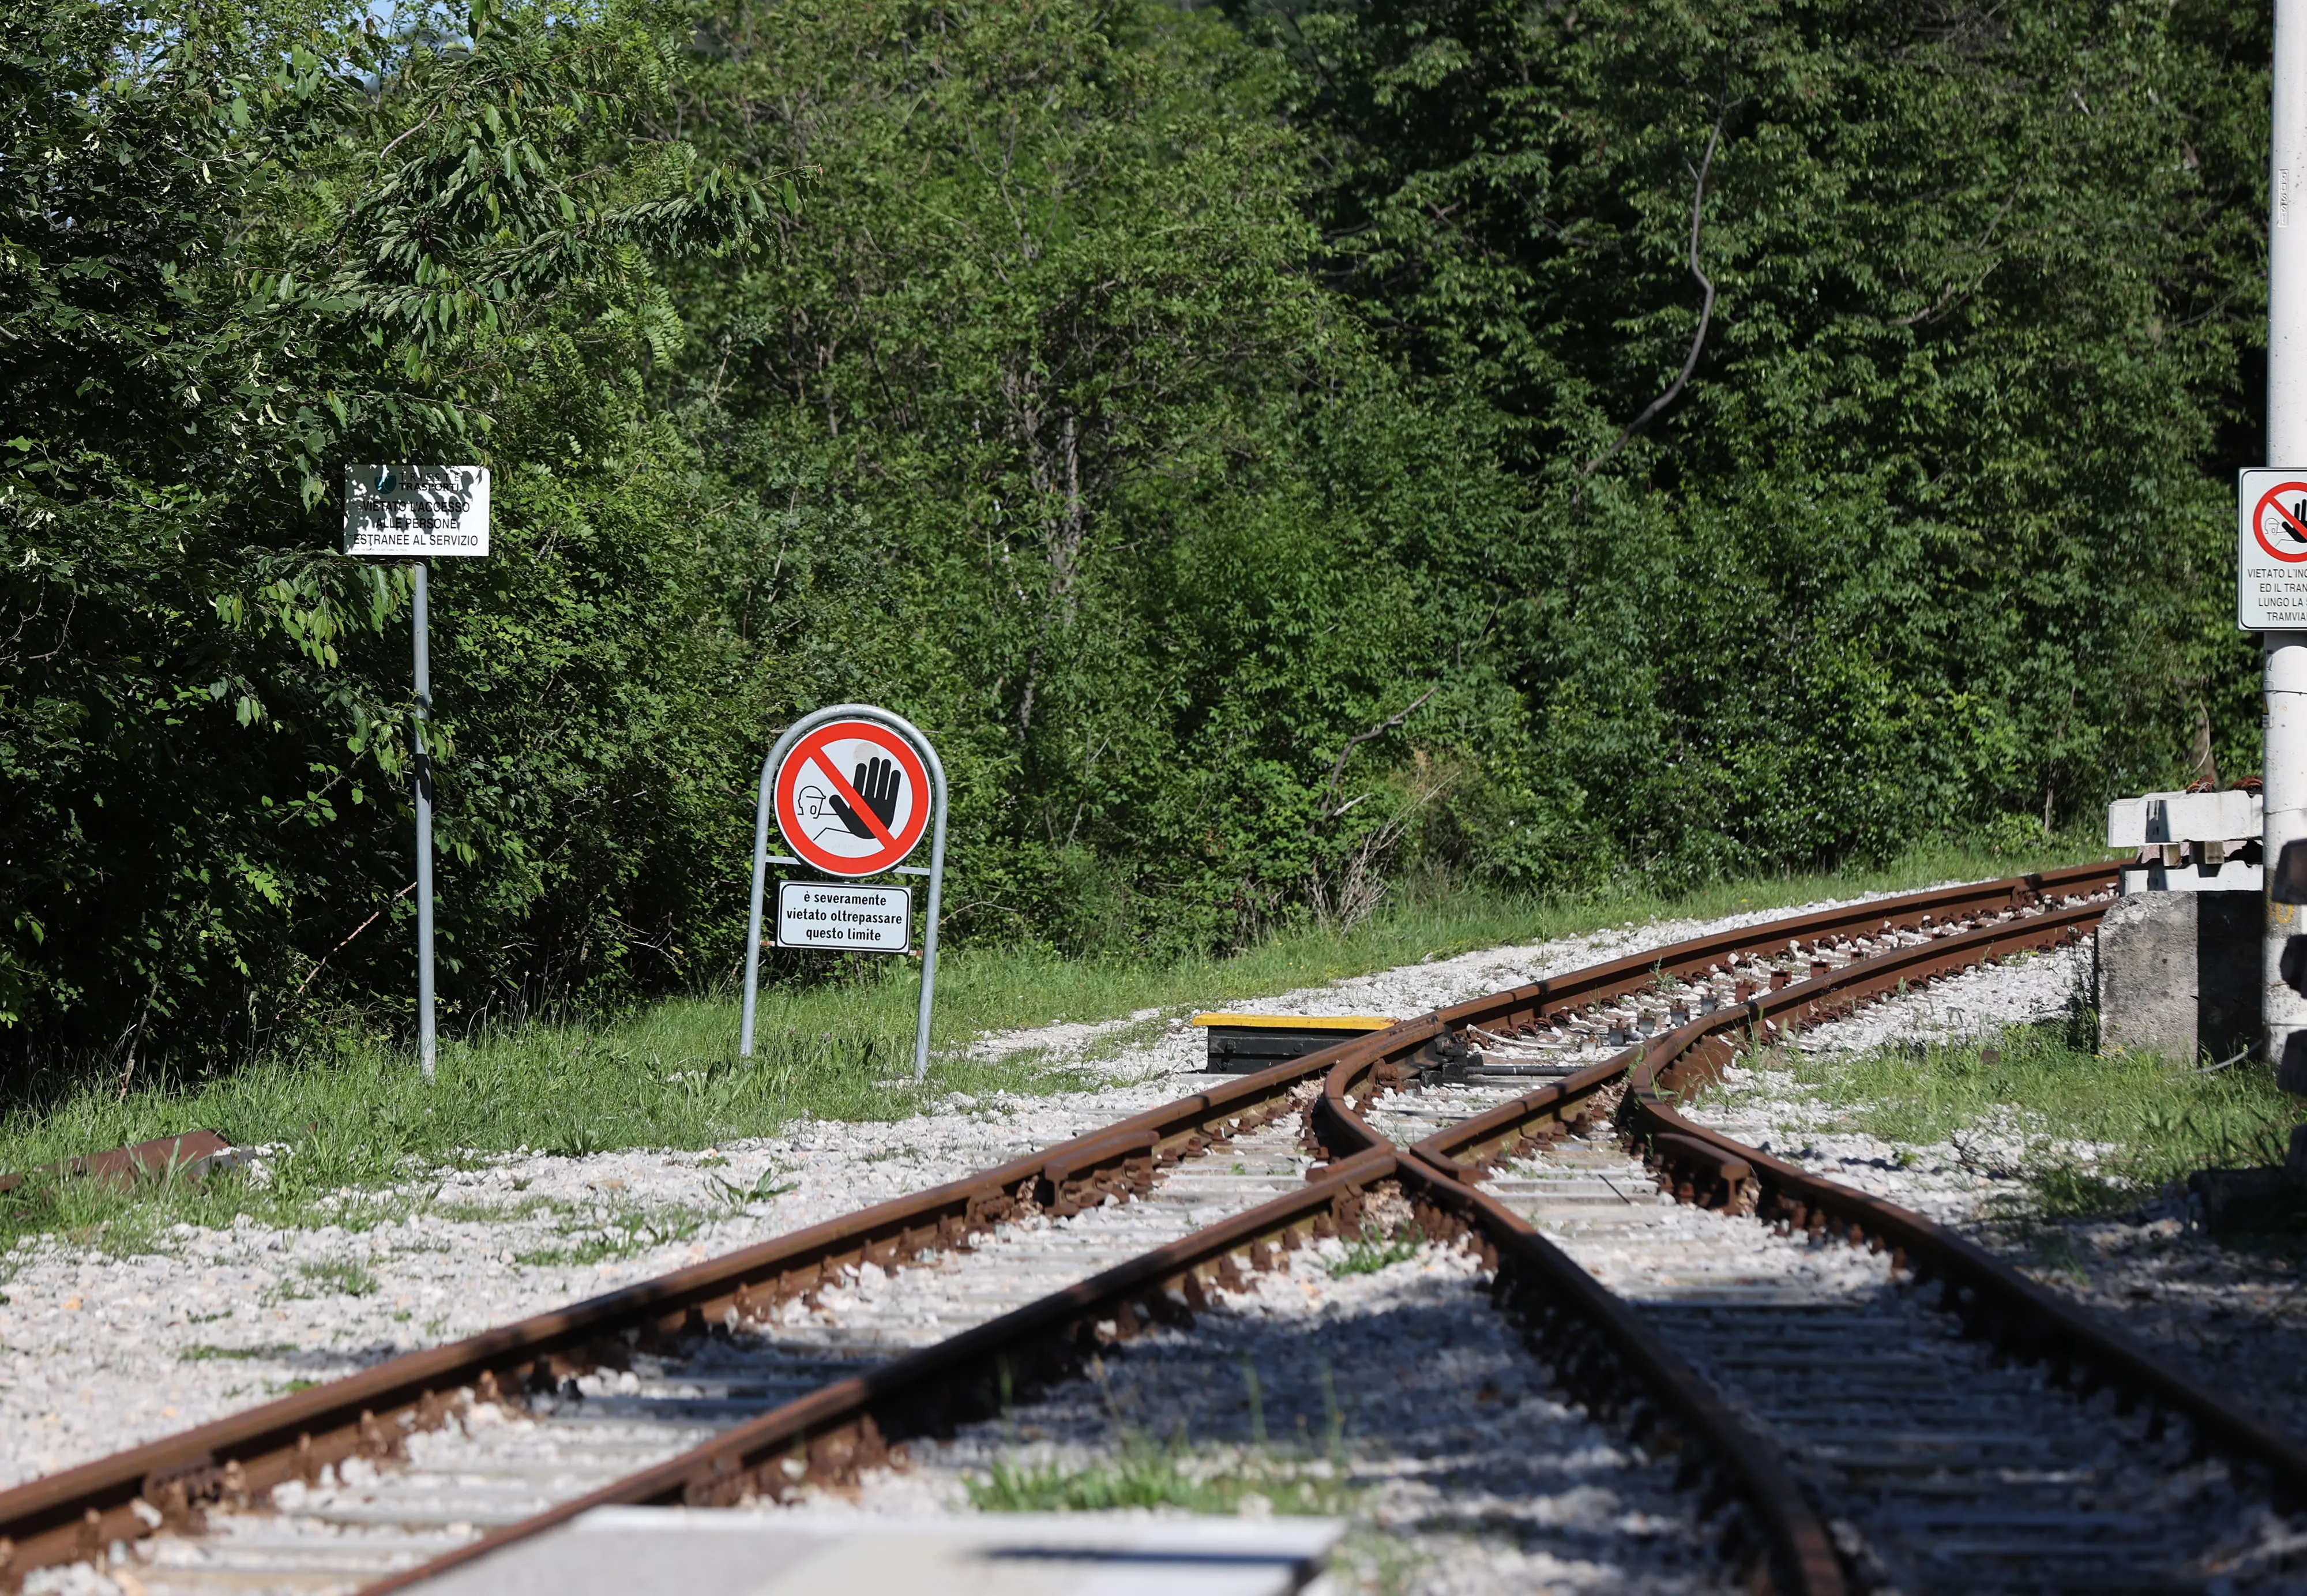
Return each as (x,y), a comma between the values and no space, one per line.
(1330,788)
(1705,310)
(348,942)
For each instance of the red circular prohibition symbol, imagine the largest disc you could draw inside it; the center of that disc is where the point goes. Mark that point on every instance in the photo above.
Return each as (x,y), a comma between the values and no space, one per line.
(820,810)
(2289,521)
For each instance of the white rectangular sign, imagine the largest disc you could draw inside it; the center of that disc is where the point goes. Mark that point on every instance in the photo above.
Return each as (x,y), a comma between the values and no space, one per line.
(849,919)
(417,512)
(2271,551)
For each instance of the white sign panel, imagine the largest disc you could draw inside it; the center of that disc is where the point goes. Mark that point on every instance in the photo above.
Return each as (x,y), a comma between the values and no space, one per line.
(417,512)
(2271,551)
(847,919)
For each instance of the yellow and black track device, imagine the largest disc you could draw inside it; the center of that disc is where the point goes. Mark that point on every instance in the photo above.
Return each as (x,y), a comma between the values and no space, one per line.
(1245,1043)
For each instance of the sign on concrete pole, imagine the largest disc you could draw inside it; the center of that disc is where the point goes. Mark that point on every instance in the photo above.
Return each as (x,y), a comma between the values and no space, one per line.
(2271,551)
(419,512)
(2268,511)
(854,789)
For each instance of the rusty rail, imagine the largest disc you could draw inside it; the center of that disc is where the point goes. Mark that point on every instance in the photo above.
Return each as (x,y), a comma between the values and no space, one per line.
(1600,1345)
(72,1516)
(1611,1360)
(838,1428)
(827,1437)
(1995,1301)
(1707,1167)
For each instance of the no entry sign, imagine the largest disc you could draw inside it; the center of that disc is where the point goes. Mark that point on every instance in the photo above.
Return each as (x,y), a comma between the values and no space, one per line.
(853,788)
(853,798)
(2271,551)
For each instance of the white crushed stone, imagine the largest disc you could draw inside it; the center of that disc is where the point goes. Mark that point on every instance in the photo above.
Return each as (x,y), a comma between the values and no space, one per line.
(98,1353)
(1460,1466)
(2230,1313)
(1953,1182)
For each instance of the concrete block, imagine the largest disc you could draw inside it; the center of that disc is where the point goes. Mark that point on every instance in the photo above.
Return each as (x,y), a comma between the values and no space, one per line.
(2233,876)
(2178,973)
(615,1552)
(2184,817)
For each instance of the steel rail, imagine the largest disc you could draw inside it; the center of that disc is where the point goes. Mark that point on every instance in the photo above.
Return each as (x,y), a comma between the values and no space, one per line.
(1600,1343)
(1714,1169)
(1611,1360)
(835,1432)
(73,1515)
(1995,1301)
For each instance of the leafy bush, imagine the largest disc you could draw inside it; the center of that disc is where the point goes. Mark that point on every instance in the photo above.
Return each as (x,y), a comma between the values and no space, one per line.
(1275,456)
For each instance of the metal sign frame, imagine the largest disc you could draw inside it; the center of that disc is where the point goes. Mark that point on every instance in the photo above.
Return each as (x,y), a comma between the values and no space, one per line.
(373,493)
(793,735)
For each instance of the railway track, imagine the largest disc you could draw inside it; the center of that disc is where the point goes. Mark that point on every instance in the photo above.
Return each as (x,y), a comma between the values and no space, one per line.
(353,1523)
(749,1377)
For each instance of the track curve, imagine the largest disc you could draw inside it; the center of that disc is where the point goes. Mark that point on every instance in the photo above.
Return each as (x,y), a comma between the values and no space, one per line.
(1684,1009)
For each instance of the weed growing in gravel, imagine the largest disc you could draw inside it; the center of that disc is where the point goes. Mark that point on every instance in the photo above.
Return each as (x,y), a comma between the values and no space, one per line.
(604,1233)
(207,1354)
(1221,1480)
(2095,1133)
(338,1277)
(768,1185)
(1374,1250)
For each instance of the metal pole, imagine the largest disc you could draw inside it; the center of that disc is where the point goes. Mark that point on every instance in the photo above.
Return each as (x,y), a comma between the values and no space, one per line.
(2284,769)
(427,1040)
(930,913)
(761,872)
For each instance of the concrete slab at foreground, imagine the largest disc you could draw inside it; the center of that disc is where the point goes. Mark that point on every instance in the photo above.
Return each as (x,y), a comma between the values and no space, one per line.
(2178,974)
(787,1552)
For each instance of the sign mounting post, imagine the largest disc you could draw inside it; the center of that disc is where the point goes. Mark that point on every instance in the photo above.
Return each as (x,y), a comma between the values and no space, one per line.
(2282,628)
(854,789)
(395,512)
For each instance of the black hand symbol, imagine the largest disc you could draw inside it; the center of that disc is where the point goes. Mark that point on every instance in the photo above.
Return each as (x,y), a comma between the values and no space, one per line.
(876,781)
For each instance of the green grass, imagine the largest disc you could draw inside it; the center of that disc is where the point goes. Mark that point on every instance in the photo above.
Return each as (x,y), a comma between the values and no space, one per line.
(2096,1134)
(337,1278)
(208,1354)
(1146,1476)
(1374,1251)
(357,1119)
(1143,1473)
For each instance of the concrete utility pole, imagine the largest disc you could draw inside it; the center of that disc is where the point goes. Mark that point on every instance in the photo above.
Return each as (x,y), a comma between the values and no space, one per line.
(428,1044)
(2285,767)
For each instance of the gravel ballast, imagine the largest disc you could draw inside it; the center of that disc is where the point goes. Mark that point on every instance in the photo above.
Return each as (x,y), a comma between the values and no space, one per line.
(99,1351)
(1398,1399)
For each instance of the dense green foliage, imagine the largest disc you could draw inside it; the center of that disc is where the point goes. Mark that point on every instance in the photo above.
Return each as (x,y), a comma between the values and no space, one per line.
(1217,428)
(1935,531)
(238,260)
